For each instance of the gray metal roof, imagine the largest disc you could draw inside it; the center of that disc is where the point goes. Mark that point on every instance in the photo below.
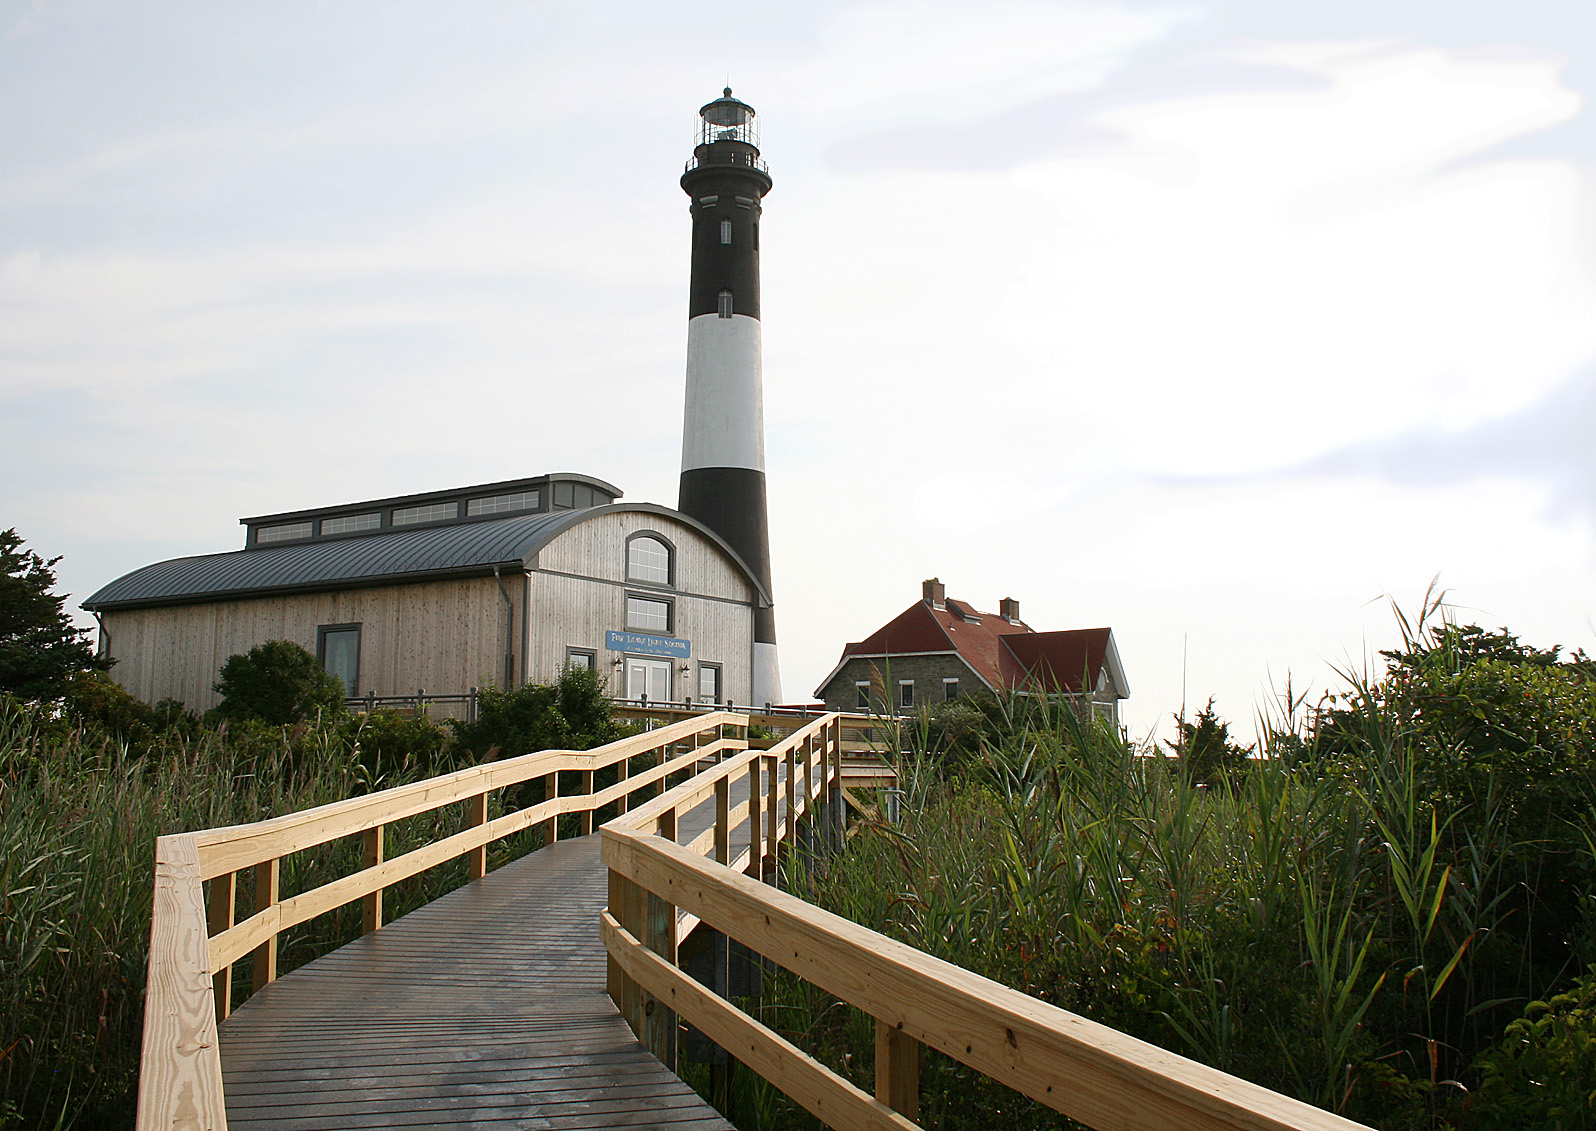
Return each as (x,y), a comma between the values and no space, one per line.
(462,550)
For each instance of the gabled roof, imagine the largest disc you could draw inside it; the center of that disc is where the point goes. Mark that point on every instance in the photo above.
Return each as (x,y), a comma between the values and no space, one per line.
(1063,661)
(387,558)
(1000,652)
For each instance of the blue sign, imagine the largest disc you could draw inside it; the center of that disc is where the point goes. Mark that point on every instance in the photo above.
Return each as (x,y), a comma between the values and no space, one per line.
(644,644)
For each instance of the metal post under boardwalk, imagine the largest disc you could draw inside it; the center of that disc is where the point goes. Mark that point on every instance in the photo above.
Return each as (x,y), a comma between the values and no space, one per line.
(723,432)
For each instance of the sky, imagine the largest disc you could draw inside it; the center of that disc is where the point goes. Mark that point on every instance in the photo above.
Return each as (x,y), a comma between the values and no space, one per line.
(1229,325)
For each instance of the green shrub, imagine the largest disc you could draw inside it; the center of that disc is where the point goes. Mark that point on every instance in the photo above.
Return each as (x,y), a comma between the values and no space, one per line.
(573,713)
(1543,1074)
(277,682)
(389,743)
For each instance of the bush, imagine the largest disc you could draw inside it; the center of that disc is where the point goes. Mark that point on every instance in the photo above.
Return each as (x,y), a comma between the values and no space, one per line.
(573,713)
(390,743)
(277,682)
(1543,1074)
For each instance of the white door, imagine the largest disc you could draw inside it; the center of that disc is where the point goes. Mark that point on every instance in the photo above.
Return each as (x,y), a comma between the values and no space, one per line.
(648,677)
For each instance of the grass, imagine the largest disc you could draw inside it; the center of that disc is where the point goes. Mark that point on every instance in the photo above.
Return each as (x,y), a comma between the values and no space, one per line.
(1354,920)
(79,815)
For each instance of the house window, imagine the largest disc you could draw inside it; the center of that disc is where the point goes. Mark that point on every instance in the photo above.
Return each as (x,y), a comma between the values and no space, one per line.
(709,683)
(502,504)
(284,533)
(338,649)
(648,559)
(725,231)
(906,693)
(724,310)
(950,689)
(432,512)
(644,614)
(580,658)
(349,523)
(862,687)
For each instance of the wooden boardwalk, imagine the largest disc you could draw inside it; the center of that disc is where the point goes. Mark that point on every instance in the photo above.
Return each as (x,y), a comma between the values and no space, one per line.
(485,1008)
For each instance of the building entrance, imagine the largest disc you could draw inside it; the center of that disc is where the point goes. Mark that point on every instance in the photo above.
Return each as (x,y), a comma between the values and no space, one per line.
(648,677)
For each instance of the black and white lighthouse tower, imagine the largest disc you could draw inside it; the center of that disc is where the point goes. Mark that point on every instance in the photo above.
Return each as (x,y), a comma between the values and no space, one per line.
(723,436)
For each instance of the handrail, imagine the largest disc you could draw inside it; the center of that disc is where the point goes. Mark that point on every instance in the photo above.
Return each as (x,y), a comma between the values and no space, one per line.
(194,941)
(1082,1069)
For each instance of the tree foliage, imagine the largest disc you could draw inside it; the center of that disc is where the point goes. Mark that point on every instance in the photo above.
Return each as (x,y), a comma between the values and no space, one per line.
(277,682)
(40,649)
(1205,753)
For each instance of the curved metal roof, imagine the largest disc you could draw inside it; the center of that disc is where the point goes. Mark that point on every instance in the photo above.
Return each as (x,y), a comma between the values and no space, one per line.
(392,557)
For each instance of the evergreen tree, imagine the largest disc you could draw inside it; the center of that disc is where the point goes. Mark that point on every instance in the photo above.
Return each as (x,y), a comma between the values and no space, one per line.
(1206,754)
(39,647)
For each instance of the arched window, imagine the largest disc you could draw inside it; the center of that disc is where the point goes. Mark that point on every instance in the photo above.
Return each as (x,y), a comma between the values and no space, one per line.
(648,559)
(725,310)
(725,231)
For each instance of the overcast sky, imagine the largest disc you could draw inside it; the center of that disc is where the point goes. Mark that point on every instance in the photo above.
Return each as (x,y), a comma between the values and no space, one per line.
(1219,323)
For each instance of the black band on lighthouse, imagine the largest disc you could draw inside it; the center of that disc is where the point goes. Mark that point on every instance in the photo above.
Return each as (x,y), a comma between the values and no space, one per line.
(723,444)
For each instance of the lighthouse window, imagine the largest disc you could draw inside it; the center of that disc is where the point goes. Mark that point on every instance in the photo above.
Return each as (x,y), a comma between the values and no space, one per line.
(725,231)
(725,309)
(648,559)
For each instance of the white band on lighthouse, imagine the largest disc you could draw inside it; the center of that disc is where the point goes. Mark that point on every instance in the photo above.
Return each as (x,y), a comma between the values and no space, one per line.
(725,418)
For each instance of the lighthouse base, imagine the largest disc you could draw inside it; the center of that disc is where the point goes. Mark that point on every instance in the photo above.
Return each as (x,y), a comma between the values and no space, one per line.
(767,675)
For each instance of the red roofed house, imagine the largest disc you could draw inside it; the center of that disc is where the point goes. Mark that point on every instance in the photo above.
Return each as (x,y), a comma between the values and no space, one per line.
(939,649)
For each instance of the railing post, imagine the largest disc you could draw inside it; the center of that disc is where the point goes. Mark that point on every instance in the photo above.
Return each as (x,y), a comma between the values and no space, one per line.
(791,790)
(756,817)
(773,797)
(631,912)
(224,894)
(268,880)
(587,814)
(551,790)
(898,1070)
(660,1021)
(723,821)
(371,906)
(477,815)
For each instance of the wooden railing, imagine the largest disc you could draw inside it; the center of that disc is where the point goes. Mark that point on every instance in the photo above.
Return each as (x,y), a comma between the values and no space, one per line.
(1077,1067)
(195,941)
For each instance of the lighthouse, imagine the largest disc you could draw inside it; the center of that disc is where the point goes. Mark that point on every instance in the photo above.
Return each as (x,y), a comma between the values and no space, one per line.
(723,433)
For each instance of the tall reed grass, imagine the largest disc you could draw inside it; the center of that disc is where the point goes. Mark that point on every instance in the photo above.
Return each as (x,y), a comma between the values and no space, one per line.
(79,815)
(1353,920)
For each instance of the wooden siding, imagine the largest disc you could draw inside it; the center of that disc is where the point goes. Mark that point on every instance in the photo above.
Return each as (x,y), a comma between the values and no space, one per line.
(443,636)
(597,548)
(572,612)
(569,612)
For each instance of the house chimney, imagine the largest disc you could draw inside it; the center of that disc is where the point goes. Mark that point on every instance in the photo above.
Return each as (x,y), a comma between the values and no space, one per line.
(935,592)
(1009,610)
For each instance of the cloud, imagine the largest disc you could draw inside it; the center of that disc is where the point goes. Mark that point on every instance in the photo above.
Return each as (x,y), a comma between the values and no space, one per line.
(1547,443)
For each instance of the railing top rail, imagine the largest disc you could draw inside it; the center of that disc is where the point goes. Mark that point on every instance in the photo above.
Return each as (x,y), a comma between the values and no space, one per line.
(232,847)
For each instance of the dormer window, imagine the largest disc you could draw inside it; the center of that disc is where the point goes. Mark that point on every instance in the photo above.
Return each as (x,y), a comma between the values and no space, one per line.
(724,310)
(432,512)
(287,532)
